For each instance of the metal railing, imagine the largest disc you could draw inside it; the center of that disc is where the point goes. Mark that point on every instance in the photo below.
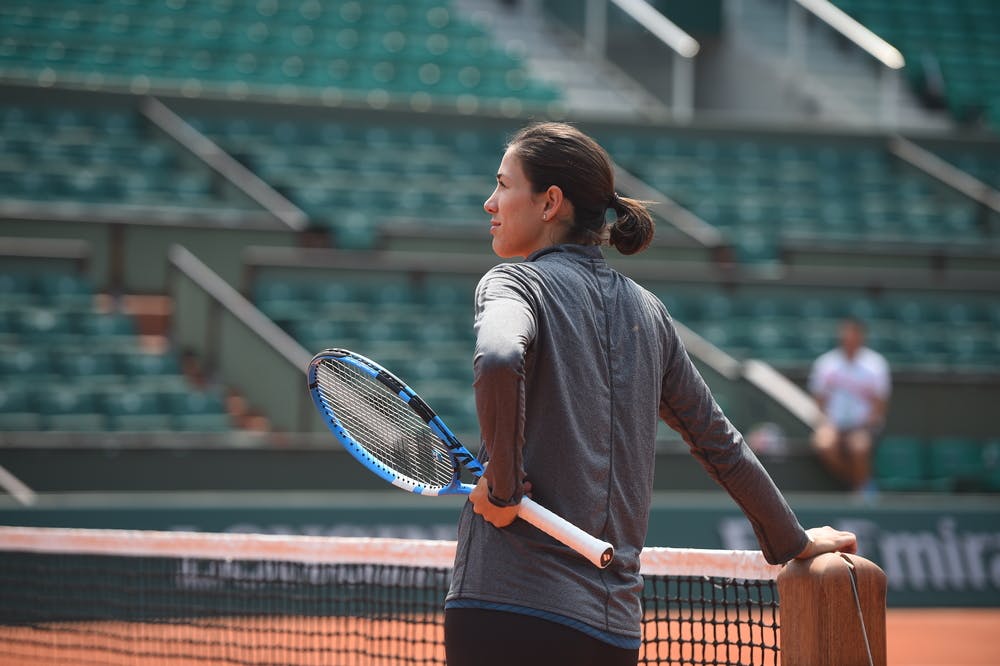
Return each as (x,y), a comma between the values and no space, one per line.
(765,391)
(888,57)
(246,181)
(984,194)
(239,342)
(683,46)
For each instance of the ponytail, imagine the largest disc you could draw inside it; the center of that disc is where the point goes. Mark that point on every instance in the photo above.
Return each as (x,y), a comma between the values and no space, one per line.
(633,228)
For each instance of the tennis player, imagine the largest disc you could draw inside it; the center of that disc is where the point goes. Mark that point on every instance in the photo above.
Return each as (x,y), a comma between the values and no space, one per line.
(574,365)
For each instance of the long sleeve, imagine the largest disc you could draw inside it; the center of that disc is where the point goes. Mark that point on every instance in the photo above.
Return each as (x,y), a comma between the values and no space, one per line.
(688,407)
(505,327)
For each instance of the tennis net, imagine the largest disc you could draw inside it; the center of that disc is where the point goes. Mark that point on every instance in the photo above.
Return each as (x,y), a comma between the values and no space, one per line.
(71,596)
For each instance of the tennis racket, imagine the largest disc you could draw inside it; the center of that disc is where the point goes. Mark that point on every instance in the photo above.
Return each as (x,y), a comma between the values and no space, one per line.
(396,435)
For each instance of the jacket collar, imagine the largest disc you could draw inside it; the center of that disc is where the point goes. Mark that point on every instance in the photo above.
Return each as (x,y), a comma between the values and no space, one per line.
(582,251)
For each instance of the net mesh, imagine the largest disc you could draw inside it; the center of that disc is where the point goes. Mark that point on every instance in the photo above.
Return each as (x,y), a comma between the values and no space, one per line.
(106,597)
(383,425)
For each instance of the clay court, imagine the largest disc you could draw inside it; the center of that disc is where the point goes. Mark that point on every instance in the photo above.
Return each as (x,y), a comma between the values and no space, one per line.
(916,637)
(943,636)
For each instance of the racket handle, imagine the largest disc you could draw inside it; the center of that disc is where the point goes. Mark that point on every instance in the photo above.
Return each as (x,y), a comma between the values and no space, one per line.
(600,553)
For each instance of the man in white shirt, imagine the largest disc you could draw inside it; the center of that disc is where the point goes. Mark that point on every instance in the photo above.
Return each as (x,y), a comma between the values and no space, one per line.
(851,384)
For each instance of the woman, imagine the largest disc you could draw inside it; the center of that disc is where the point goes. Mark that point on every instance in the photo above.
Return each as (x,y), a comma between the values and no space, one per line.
(574,364)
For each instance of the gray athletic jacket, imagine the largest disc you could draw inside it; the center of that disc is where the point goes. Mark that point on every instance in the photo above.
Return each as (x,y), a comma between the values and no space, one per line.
(574,364)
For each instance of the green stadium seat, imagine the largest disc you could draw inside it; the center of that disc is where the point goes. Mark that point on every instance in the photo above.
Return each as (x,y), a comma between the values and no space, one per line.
(450,295)
(280,299)
(991,461)
(969,348)
(94,156)
(900,463)
(23,364)
(287,44)
(70,408)
(316,334)
(16,290)
(8,327)
(945,31)
(112,329)
(771,308)
(200,411)
(957,463)
(44,325)
(132,410)
(88,367)
(17,412)
(152,371)
(716,307)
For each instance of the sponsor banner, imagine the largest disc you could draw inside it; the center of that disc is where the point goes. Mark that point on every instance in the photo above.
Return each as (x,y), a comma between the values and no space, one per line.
(939,560)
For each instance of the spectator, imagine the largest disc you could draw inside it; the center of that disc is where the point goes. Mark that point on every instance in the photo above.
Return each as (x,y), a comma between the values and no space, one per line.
(851,384)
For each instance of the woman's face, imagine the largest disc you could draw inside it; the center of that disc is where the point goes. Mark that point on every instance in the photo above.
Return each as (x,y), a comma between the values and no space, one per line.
(516,212)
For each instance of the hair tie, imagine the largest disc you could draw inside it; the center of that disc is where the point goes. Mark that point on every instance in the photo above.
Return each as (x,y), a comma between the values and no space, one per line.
(614,201)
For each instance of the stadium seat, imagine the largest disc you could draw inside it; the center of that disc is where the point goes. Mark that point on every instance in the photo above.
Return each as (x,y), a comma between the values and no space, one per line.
(65,291)
(957,463)
(962,49)
(339,172)
(991,461)
(93,157)
(900,463)
(88,367)
(198,411)
(762,192)
(21,364)
(16,289)
(345,45)
(106,329)
(153,371)
(316,334)
(135,411)
(70,408)
(16,409)
(44,325)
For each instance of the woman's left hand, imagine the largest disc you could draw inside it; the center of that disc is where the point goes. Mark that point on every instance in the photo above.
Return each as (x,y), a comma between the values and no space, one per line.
(828,540)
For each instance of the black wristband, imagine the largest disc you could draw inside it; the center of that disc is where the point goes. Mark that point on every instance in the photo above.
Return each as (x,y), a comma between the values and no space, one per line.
(502,503)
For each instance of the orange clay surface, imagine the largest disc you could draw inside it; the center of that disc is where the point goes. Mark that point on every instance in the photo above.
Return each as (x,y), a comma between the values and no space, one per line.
(943,636)
(916,637)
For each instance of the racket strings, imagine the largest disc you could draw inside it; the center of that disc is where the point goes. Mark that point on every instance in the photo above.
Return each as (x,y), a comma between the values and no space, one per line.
(384,425)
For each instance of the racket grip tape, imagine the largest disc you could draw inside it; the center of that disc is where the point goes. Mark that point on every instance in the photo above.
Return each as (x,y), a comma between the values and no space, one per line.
(600,553)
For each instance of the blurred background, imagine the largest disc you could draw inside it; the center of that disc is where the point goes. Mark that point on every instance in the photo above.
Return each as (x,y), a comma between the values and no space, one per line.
(197,195)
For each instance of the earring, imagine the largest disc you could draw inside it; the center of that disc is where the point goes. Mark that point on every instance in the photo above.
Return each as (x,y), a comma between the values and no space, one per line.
(545,216)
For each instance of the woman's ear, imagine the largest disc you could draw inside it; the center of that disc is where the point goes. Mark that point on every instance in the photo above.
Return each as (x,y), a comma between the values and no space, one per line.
(553,208)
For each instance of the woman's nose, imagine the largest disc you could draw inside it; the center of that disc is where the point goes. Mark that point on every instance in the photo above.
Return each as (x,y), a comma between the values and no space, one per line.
(490,205)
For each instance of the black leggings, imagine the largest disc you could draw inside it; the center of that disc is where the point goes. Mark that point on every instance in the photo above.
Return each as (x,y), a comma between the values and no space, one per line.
(479,637)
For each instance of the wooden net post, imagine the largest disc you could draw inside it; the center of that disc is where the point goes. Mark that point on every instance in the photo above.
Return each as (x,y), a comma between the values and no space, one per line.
(832,612)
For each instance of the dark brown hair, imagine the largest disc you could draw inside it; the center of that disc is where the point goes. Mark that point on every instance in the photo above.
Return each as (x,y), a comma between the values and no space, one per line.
(561,155)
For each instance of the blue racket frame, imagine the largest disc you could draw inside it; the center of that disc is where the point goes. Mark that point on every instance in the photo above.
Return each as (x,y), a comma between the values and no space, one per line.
(460,456)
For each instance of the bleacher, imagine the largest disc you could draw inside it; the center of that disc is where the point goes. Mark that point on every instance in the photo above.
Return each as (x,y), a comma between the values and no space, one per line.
(943,464)
(96,156)
(422,332)
(67,364)
(763,190)
(789,328)
(352,178)
(331,50)
(364,115)
(952,50)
